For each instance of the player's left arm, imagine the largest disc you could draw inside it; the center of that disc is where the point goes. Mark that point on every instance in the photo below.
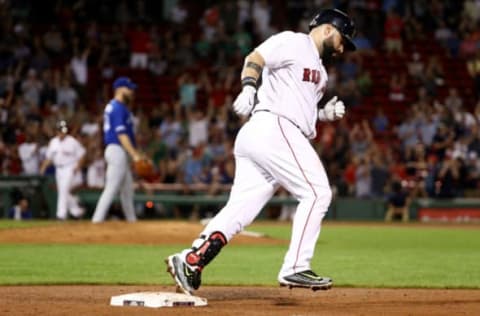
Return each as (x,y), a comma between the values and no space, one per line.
(128,146)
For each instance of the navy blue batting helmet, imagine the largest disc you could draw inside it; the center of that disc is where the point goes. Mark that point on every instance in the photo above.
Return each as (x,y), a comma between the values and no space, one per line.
(341,21)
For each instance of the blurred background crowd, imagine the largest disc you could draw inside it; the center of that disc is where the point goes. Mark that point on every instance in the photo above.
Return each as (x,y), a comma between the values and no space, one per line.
(411,89)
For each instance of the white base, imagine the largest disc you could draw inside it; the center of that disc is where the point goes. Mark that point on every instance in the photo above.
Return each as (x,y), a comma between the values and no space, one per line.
(157,299)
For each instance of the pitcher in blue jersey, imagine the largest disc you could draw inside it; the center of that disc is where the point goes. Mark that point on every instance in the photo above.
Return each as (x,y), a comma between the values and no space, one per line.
(119,140)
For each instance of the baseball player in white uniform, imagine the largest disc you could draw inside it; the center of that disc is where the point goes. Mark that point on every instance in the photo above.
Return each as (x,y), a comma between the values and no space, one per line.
(273,149)
(119,139)
(67,155)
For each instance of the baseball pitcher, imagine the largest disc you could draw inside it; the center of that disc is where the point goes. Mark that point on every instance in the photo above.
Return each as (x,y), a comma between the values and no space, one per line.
(273,149)
(119,139)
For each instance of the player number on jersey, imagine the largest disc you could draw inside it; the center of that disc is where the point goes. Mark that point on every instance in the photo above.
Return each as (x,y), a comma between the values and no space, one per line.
(106,117)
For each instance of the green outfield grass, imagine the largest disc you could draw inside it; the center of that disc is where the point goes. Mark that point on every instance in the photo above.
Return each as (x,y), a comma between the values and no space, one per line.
(359,256)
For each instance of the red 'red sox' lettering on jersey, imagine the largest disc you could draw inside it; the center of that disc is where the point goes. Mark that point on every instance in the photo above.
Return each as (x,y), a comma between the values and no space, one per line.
(311,75)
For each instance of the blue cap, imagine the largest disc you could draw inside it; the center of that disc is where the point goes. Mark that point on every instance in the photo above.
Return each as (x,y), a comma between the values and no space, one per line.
(124,82)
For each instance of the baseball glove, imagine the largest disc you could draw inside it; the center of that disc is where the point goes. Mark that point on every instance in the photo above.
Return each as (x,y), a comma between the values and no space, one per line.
(143,168)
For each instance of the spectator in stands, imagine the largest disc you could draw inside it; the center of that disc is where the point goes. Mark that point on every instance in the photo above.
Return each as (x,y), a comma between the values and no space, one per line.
(417,170)
(20,209)
(442,140)
(179,13)
(379,174)
(443,33)
(380,121)
(363,44)
(96,169)
(434,76)
(416,68)
(184,56)
(393,29)
(449,177)
(364,82)
(171,130)
(465,123)
(473,66)
(53,41)
(261,14)
(363,178)
(414,29)
(198,125)
(407,131)
(460,147)
(40,60)
(349,92)
(188,88)
(468,44)
(140,45)
(67,96)
(397,87)
(28,151)
(157,64)
(211,23)
(31,89)
(398,203)
(91,126)
(427,128)
(79,68)
(453,101)
(48,94)
(360,138)
(243,40)
(349,69)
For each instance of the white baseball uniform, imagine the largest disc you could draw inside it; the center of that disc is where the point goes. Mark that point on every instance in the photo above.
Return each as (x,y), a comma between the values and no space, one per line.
(273,148)
(65,154)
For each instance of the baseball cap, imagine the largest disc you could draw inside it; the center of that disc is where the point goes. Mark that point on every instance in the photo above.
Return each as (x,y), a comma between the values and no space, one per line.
(124,82)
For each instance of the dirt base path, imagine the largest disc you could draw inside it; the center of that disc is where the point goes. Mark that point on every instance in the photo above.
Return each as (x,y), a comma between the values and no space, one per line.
(94,300)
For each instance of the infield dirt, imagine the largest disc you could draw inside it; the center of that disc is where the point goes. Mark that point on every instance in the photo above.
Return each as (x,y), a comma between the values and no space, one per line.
(94,300)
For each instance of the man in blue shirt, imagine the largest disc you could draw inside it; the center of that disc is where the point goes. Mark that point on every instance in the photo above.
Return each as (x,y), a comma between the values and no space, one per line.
(119,139)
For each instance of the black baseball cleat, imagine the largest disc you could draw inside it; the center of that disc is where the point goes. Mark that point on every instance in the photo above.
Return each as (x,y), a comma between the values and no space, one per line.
(306,279)
(186,279)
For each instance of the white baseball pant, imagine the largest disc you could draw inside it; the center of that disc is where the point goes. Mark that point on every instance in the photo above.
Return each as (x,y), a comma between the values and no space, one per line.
(271,151)
(118,177)
(66,179)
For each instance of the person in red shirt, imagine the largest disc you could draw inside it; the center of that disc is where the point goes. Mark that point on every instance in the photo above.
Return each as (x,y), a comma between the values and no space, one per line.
(140,47)
(393,33)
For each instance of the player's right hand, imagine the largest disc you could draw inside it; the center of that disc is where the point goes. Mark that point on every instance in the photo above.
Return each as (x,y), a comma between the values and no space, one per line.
(245,101)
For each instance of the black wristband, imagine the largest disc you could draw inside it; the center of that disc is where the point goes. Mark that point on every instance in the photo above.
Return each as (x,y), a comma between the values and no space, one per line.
(249,81)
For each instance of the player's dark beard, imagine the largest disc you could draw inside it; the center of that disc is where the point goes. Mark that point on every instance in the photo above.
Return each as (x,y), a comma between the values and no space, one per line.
(328,50)
(127,99)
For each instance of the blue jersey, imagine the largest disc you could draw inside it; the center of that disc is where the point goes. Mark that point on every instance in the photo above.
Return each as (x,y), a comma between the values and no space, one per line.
(117,119)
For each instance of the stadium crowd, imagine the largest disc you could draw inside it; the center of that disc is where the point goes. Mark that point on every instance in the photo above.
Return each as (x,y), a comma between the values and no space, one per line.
(58,59)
